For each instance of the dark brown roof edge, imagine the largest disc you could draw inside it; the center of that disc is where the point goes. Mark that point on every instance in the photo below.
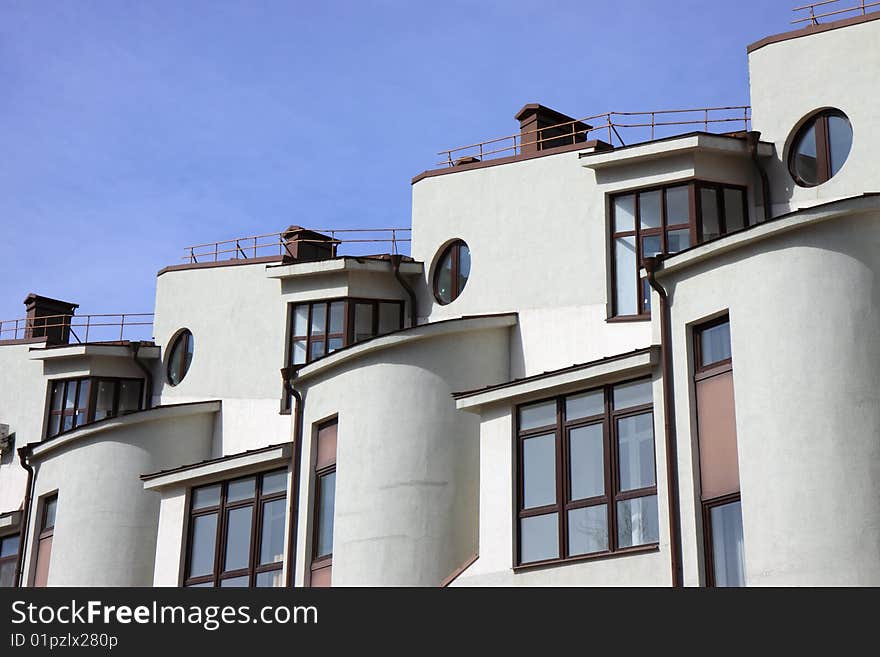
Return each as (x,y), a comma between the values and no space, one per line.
(812,29)
(100,343)
(451,577)
(378,257)
(219,459)
(23,341)
(220,263)
(598,144)
(548,374)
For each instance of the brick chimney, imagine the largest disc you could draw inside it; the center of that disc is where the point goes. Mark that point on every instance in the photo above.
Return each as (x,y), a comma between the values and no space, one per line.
(49,318)
(304,245)
(535,132)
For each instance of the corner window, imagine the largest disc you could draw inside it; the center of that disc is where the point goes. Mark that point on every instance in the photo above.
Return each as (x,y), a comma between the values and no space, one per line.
(8,559)
(76,402)
(180,356)
(325,505)
(236,532)
(663,221)
(820,148)
(47,511)
(452,272)
(586,483)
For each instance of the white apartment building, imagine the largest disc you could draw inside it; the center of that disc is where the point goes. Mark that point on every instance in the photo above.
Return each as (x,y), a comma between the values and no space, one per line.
(610,356)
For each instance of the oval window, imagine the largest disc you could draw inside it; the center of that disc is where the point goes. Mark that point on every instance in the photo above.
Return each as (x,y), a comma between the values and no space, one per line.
(820,148)
(180,356)
(451,274)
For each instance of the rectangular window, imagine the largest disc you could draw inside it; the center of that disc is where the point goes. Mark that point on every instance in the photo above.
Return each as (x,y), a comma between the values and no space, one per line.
(76,402)
(9,546)
(47,512)
(586,482)
(719,464)
(325,504)
(236,532)
(665,220)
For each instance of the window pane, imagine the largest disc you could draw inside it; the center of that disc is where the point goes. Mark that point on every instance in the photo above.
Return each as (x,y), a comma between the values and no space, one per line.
(587,530)
(649,209)
(298,357)
(678,240)
(389,317)
(539,471)
(274,482)
(234,582)
(9,546)
(635,451)
(7,574)
(651,245)
(586,405)
(805,162)
(539,538)
(444,278)
(129,396)
(205,496)
(272,535)
(49,514)
(464,266)
(54,424)
(624,213)
(317,349)
(67,424)
(270,579)
(709,210)
(204,536)
(363,321)
(734,211)
(104,400)
(82,402)
(537,415)
(337,315)
(646,295)
(333,344)
(637,522)
(677,206)
(327,502)
(625,276)
(727,545)
(319,318)
(587,449)
(70,398)
(301,320)
(238,538)
(241,489)
(840,139)
(715,344)
(632,394)
(57,395)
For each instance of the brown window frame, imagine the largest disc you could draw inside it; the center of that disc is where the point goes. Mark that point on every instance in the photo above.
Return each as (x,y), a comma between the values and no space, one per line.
(12,558)
(694,225)
(182,340)
(708,539)
(46,533)
(453,249)
(701,370)
(257,503)
(85,406)
(823,147)
(319,562)
(611,473)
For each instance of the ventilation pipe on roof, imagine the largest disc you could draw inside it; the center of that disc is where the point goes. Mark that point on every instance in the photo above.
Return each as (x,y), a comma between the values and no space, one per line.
(650,264)
(752,138)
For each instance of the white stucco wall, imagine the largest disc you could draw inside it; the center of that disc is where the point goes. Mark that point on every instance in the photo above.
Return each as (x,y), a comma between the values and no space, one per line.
(806,382)
(169,536)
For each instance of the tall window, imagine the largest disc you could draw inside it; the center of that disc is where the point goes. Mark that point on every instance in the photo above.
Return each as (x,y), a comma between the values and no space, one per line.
(77,402)
(47,510)
(8,559)
(325,504)
(236,532)
(665,220)
(719,465)
(320,328)
(586,482)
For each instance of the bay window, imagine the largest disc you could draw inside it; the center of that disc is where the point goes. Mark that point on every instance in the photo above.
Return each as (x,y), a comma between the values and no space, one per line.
(77,402)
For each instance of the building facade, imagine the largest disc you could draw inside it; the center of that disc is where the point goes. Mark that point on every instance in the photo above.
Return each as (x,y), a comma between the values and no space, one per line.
(600,362)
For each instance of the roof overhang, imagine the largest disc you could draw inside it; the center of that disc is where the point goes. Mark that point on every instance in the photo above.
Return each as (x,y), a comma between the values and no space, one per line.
(569,379)
(699,142)
(86,350)
(9,522)
(342,264)
(245,463)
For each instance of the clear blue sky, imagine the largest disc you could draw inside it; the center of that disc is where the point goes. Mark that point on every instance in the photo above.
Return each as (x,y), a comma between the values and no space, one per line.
(132,129)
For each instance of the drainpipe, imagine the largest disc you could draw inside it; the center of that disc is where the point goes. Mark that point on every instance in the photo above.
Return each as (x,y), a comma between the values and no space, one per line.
(293,504)
(135,346)
(413,314)
(650,265)
(26,514)
(752,138)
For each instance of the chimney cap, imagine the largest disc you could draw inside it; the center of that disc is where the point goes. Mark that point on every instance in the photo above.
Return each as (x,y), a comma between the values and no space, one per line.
(547,114)
(305,233)
(33,299)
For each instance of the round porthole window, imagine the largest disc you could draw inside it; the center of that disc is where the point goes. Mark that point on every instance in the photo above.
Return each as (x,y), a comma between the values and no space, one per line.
(820,147)
(180,356)
(452,271)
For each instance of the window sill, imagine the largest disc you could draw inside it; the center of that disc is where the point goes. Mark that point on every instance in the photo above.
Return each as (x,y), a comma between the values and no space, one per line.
(599,556)
(628,318)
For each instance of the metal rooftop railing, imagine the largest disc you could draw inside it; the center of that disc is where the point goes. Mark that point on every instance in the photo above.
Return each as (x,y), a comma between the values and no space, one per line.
(80,329)
(353,242)
(813,17)
(638,126)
